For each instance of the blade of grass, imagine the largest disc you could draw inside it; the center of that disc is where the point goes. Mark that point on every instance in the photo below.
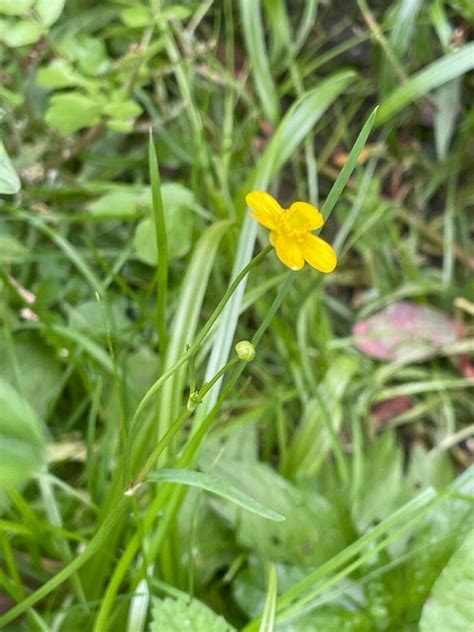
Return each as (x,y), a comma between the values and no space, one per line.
(435,74)
(255,43)
(215,486)
(161,244)
(268,617)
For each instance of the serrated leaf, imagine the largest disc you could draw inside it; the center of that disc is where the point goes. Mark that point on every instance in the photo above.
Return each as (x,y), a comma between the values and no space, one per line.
(49,10)
(176,615)
(20,33)
(450,605)
(72,111)
(21,438)
(9,180)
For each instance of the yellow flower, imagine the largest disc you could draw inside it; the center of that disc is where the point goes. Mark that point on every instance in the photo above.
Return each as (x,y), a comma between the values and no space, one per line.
(291,232)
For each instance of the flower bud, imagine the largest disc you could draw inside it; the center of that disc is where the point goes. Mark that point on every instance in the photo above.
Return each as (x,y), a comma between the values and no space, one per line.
(245,350)
(193,401)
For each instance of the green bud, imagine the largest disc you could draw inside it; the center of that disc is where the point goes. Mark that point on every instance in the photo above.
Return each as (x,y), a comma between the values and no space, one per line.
(193,400)
(245,350)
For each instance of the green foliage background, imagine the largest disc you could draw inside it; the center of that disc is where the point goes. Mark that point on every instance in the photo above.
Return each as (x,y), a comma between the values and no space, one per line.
(239,95)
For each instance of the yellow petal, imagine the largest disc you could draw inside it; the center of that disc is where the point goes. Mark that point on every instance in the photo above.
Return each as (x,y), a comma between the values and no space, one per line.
(266,209)
(288,250)
(318,253)
(305,215)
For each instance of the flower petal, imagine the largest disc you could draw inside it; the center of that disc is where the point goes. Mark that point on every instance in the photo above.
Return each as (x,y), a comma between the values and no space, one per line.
(306,215)
(266,209)
(318,253)
(288,250)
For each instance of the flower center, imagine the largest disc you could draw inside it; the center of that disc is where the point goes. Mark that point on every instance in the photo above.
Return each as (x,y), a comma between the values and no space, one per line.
(292,225)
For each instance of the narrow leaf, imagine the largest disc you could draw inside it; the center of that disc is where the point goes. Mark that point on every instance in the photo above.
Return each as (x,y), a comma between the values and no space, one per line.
(216,486)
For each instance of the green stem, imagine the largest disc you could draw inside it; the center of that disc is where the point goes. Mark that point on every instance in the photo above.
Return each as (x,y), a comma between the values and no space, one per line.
(155,387)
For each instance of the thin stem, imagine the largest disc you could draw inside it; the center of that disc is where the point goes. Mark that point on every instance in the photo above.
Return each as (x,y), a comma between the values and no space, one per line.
(155,387)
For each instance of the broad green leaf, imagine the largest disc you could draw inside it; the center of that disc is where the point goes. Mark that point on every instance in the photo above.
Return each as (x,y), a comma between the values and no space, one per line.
(216,486)
(11,250)
(15,7)
(314,529)
(58,74)
(92,318)
(178,203)
(450,605)
(122,109)
(117,203)
(9,180)
(381,481)
(49,11)
(21,438)
(176,615)
(20,33)
(39,372)
(436,74)
(72,111)
(136,17)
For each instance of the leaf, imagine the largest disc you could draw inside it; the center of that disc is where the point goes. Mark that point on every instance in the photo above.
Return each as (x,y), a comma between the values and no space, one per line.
(9,180)
(404,331)
(71,111)
(218,487)
(450,606)
(58,74)
(448,102)
(11,251)
(122,109)
(118,203)
(39,371)
(314,529)
(49,11)
(380,486)
(176,615)
(178,203)
(136,17)
(92,318)
(20,33)
(436,74)
(15,7)
(21,438)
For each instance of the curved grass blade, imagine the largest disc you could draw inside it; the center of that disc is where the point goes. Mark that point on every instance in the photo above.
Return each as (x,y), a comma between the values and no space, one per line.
(215,486)
(161,244)
(436,74)
(255,44)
